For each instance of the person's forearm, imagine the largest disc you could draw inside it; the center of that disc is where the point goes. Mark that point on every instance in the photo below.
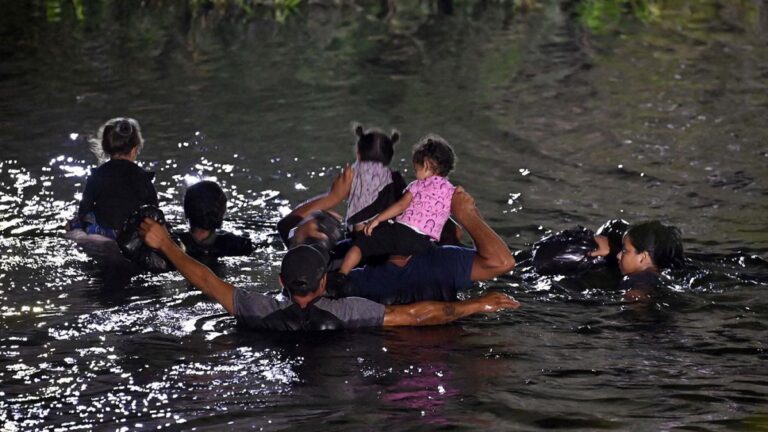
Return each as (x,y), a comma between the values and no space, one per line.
(321,202)
(487,242)
(337,193)
(491,249)
(430,313)
(395,209)
(199,275)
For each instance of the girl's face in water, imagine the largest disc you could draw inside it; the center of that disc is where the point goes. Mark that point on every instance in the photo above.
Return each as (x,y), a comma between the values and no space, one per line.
(630,260)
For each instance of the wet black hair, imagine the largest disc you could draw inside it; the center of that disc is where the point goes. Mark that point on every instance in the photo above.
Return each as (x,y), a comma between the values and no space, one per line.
(374,145)
(119,136)
(437,151)
(662,242)
(204,205)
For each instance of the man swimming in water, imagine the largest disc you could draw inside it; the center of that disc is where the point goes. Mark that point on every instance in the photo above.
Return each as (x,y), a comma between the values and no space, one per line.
(305,307)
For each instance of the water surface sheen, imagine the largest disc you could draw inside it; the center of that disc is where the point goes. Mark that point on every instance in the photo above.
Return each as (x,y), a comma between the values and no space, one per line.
(559,116)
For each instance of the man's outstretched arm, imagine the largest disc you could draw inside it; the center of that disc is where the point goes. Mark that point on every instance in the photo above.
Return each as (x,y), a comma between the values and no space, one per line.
(434,312)
(339,190)
(156,236)
(493,257)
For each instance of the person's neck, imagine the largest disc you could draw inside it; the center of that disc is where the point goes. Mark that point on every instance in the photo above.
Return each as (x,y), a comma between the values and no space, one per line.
(128,157)
(304,301)
(200,234)
(650,269)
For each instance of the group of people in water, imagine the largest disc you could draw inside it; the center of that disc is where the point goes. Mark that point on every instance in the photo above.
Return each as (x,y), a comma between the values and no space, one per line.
(396,258)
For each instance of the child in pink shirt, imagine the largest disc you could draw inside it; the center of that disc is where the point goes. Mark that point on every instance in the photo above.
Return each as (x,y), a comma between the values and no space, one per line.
(420,213)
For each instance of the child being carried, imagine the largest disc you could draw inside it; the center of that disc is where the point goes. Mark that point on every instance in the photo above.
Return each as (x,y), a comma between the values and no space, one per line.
(420,214)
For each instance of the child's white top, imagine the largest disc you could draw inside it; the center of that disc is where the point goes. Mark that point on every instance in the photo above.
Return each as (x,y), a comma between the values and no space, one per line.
(369,179)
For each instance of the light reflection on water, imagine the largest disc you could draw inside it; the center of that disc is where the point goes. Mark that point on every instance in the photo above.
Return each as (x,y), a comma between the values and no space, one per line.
(74,385)
(553,126)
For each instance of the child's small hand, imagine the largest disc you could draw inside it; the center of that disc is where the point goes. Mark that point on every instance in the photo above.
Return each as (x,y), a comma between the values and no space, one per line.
(603,248)
(370,226)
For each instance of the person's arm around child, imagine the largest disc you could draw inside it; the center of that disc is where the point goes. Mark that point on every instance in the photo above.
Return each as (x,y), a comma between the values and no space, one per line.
(394,210)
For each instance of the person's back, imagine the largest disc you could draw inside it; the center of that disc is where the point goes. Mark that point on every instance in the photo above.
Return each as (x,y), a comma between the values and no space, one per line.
(302,274)
(435,274)
(118,188)
(374,185)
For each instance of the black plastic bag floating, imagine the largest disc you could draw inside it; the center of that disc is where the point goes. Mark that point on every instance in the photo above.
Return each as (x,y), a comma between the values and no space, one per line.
(133,247)
(565,252)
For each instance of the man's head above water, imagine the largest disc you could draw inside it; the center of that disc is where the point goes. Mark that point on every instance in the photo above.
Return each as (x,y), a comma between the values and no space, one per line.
(303,268)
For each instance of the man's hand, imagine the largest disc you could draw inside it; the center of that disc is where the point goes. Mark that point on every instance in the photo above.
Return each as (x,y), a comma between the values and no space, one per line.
(153,234)
(462,203)
(495,301)
(493,257)
(342,184)
(434,312)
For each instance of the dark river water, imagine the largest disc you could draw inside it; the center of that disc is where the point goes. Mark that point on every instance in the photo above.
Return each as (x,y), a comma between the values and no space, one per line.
(561,113)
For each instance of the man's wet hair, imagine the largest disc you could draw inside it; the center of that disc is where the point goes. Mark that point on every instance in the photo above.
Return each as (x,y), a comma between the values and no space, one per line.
(662,242)
(374,145)
(204,205)
(439,153)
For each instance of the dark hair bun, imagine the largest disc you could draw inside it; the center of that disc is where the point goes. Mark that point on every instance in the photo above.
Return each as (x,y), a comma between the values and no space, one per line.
(124,128)
(358,128)
(395,137)
(120,136)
